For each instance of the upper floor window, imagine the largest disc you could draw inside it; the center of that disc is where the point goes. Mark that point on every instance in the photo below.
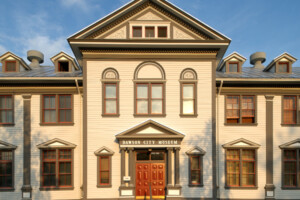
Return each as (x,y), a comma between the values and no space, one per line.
(158,31)
(6,109)
(233,67)
(149,89)
(188,94)
(10,66)
(291,110)
(57,109)
(241,164)
(63,66)
(110,94)
(240,109)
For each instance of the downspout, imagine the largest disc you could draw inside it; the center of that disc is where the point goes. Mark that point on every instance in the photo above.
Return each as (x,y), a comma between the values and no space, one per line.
(81,135)
(217,142)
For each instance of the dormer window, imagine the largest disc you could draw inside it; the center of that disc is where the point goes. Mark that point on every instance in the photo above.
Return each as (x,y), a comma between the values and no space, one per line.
(233,67)
(63,66)
(283,67)
(10,66)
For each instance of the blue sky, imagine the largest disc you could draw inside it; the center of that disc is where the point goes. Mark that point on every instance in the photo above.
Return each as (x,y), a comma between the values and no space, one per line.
(272,26)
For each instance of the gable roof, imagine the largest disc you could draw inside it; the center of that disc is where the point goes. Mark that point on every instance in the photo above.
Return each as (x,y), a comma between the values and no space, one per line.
(22,62)
(137,5)
(150,129)
(235,55)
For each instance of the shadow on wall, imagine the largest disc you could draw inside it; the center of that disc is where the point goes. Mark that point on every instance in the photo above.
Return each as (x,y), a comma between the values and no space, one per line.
(14,135)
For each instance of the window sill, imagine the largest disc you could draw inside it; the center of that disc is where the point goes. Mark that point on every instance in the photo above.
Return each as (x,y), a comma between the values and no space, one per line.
(290,188)
(7,124)
(241,188)
(149,115)
(7,189)
(188,116)
(55,188)
(228,124)
(104,186)
(113,115)
(287,125)
(195,185)
(57,124)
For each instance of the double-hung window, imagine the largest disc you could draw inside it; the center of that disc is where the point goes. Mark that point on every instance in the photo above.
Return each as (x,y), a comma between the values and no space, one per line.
(196,166)
(57,168)
(110,92)
(149,98)
(291,110)
(104,157)
(57,109)
(240,109)
(6,109)
(6,169)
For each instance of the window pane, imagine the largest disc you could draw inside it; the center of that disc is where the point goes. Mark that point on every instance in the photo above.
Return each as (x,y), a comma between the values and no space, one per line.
(137,31)
(157,156)
(11,66)
(290,180)
(156,91)
(65,167)
(195,177)
(104,177)
(63,66)
(65,101)
(65,154)
(233,67)
(110,106)
(110,91)
(162,32)
(233,167)
(195,162)
(49,102)
(142,156)
(233,154)
(233,179)
(142,91)
(9,117)
(8,102)
(142,106)
(49,116)
(65,180)
(49,154)
(2,168)
(283,67)
(290,167)
(188,107)
(49,168)
(49,180)
(248,167)
(248,154)
(2,102)
(156,106)
(188,91)
(104,163)
(248,180)
(149,31)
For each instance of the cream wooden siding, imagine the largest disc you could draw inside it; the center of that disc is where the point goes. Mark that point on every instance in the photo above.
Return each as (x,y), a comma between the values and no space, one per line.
(102,130)
(282,135)
(255,134)
(40,134)
(14,135)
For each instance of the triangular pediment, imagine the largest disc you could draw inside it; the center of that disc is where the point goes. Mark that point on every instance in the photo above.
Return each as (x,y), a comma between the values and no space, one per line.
(150,129)
(56,143)
(293,144)
(104,151)
(241,143)
(5,145)
(116,25)
(195,151)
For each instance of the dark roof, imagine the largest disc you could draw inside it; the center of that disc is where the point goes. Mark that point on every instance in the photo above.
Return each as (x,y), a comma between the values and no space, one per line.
(254,73)
(43,71)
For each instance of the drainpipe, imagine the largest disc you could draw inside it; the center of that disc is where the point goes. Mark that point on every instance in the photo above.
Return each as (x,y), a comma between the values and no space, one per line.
(217,142)
(80,130)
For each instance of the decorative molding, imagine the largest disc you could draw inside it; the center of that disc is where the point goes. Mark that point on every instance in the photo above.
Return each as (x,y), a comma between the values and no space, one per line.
(241,143)
(149,16)
(5,145)
(56,144)
(104,151)
(291,145)
(181,35)
(195,151)
(119,34)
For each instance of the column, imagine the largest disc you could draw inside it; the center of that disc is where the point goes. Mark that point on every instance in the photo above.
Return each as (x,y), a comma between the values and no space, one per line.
(122,166)
(170,150)
(177,167)
(26,188)
(131,167)
(269,148)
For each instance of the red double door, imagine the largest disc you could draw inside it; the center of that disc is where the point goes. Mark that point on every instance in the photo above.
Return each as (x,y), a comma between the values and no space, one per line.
(150,174)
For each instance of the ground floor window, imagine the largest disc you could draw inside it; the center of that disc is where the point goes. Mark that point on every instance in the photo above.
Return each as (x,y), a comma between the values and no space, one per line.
(195,166)
(104,169)
(6,169)
(291,166)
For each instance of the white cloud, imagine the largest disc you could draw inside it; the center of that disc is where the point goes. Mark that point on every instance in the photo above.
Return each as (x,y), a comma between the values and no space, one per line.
(84,5)
(2,50)
(48,46)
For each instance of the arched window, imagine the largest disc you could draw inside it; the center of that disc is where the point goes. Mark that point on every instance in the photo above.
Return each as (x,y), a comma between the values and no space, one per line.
(110,92)
(188,93)
(149,78)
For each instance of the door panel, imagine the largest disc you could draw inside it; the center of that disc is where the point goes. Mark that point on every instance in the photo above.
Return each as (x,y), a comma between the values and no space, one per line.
(150,173)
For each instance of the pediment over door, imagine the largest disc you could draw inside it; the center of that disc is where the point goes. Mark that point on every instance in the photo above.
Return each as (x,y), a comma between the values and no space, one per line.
(150,134)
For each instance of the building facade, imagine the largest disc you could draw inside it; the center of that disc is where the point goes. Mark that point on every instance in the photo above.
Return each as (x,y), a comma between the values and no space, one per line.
(149,109)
